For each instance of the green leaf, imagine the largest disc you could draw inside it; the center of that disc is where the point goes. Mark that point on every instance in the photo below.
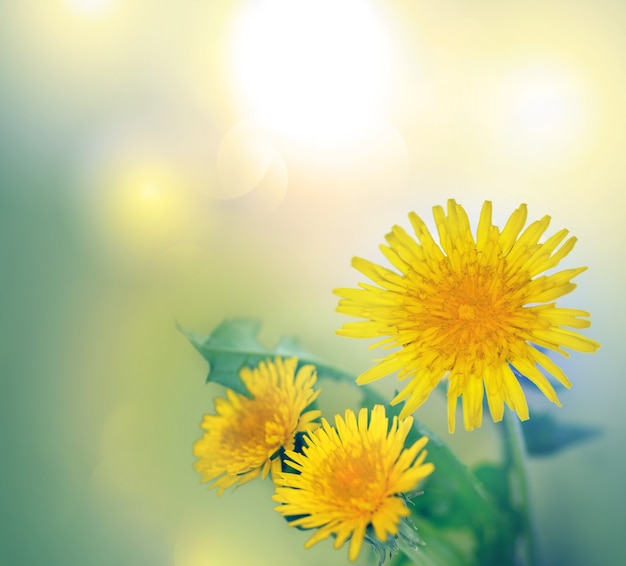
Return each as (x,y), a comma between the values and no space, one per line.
(234,344)
(546,436)
(494,478)
(231,346)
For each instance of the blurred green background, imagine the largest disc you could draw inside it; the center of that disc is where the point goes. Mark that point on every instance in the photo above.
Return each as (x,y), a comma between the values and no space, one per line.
(194,161)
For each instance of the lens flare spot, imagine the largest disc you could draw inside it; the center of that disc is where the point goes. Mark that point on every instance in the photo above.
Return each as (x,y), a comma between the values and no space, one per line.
(141,210)
(268,193)
(244,158)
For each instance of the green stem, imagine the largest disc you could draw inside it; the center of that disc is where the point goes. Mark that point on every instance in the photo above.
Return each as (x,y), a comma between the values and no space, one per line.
(515,465)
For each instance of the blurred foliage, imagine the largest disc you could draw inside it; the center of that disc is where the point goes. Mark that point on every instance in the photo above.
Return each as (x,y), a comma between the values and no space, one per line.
(544,435)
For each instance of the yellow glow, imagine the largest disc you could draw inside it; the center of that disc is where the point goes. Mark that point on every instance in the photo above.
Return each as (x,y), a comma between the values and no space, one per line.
(149,191)
(143,209)
(208,549)
(309,67)
(543,111)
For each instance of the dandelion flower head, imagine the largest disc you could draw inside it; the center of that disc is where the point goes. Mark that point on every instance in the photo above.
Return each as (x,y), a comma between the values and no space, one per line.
(247,435)
(468,309)
(350,479)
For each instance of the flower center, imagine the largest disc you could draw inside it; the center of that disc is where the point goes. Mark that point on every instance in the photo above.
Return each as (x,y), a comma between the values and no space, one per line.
(258,431)
(476,312)
(356,481)
(467,312)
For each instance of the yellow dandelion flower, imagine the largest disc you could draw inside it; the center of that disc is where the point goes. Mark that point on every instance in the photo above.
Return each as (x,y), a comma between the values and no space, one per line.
(350,479)
(468,309)
(247,435)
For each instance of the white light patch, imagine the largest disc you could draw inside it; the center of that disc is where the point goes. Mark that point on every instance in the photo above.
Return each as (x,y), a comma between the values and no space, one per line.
(309,67)
(543,111)
(91,9)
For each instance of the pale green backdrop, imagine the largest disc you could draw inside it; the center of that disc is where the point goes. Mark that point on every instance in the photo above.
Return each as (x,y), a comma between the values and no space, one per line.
(143,182)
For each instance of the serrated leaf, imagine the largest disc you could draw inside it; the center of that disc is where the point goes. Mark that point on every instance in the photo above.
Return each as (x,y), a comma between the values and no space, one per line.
(545,436)
(231,346)
(234,344)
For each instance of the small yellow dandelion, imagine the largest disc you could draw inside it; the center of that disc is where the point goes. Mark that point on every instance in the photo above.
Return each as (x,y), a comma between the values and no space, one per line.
(246,436)
(469,310)
(350,479)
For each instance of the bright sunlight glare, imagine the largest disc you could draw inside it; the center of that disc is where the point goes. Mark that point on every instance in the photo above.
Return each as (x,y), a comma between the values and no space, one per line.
(91,9)
(310,67)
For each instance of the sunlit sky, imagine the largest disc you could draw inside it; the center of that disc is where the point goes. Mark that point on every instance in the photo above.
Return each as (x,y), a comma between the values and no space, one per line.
(195,161)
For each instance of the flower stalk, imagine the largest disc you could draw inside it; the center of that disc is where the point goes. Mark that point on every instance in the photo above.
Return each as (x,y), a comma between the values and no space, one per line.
(519,496)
